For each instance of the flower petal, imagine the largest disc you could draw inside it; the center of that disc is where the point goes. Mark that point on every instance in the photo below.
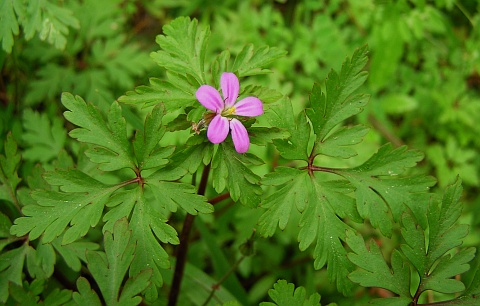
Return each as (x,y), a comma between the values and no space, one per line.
(249,107)
(210,98)
(218,129)
(240,138)
(230,87)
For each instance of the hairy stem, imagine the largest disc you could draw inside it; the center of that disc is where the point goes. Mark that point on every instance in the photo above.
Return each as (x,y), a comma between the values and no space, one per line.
(183,246)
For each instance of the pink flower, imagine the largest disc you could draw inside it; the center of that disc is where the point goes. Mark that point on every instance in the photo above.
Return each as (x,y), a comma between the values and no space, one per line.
(226,108)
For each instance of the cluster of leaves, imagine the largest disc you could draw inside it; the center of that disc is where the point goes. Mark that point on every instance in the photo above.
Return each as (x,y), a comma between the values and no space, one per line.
(325,201)
(80,200)
(416,80)
(93,55)
(430,251)
(49,20)
(71,201)
(182,54)
(128,188)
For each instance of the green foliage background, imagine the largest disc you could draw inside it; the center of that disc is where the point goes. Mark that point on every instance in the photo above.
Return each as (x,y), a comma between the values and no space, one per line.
(424,87)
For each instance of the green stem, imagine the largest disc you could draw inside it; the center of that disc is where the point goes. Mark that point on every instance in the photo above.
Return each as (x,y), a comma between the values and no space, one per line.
(183,246)
(216,286)
(464,12)
(385,132)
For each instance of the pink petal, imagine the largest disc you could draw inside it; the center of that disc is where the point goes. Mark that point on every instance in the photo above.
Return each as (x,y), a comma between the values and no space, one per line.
(210,98)
(239,136)
(249,107)
(230,87)
(218,129)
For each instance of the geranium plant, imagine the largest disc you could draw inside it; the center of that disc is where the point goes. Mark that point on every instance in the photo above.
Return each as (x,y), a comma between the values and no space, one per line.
(119,218)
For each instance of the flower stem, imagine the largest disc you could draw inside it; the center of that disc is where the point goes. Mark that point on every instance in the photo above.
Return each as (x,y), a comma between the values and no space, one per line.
(183,246)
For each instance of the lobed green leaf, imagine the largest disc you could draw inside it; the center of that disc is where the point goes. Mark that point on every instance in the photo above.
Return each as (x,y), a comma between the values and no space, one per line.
(183,48)
(264,135)
(336,104)
(322,205)
(85,295)
(11,266)
(197,152)
(148,227)
(55,23)
(44,138)
(172,93)
(9,164)
(284,294)
(282,116)
(5,237)
(250,61)
(80,203)
(229,171)
(147,152)
(9,23)
(338,144)
(293,193)
(374,271)
(380,192)
(109,268)
(170,195)
(112,148)
(431,253)
(322,223)
(41,261)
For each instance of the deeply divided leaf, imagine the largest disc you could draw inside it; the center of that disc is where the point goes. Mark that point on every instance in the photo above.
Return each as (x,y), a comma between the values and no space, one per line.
(381,192)
(229,171)
(148,228)
(284,293)
(250,61)
(431,252)
(336,104)
(322,206)
(283,117)
(11,267)
(9,24)
(109,268)
(374,271)
(9,164)
(74,209)
(148,153)
(171,195)
(45,138)
(112,149)
(183,48)
(173,92)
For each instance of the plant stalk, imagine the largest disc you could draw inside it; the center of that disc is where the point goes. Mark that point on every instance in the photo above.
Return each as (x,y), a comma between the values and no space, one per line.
(183,246)
(217,285)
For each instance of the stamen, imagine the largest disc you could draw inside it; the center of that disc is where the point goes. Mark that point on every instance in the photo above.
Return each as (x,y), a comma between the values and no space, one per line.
(229,111)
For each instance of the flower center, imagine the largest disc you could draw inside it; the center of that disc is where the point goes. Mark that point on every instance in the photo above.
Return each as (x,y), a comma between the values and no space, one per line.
(228,111)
